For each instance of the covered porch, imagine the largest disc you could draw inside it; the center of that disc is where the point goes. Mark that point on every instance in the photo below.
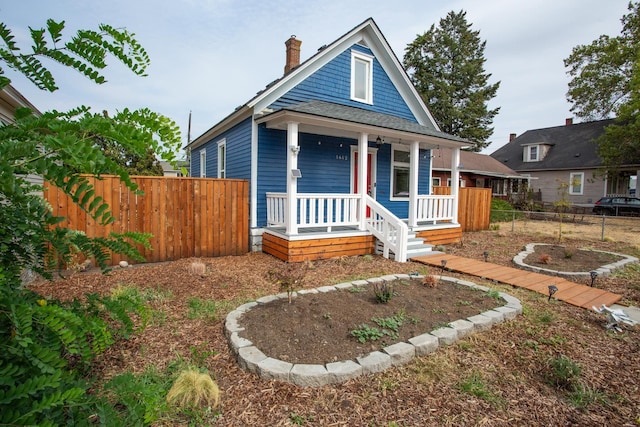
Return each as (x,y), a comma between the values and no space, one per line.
(310,225)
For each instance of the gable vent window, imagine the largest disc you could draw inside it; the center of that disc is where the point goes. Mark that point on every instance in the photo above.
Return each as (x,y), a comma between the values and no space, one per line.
(361,77)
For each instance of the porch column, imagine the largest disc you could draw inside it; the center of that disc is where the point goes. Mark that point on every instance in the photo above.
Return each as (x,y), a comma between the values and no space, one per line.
(455,181)
(291,215)
(363,151)
(413,183)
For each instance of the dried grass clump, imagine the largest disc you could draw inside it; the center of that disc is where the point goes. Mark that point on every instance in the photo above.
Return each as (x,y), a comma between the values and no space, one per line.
(430,281)
(545,258)
(197,268)
(194,389)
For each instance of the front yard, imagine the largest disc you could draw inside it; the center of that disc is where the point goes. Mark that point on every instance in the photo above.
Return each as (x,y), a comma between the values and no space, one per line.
(553,365)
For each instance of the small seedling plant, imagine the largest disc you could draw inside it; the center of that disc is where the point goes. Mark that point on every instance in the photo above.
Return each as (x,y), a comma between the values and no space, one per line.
(289,278)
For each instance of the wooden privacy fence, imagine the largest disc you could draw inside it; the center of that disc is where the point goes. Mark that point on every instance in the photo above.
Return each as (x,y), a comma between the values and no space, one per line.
(474,206)
(188,217)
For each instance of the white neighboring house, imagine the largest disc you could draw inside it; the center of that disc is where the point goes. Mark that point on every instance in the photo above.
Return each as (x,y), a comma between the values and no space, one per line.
(10,101)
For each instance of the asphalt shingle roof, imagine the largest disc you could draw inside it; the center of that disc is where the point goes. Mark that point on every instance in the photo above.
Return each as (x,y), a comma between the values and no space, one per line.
(361,116)
(572,147)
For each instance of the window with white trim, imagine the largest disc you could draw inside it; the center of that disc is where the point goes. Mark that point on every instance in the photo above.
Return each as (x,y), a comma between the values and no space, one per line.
(531,153)
(361,77)
(222,159)
(435,181)
(399,173)
(576,183)
(203,163)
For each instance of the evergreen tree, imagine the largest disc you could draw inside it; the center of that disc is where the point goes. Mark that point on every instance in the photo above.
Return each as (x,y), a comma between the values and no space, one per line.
(606,83)
(446,65)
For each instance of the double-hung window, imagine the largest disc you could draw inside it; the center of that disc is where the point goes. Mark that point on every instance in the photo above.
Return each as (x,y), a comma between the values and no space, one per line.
(222,159)
(203,163)
(576,183)
(361,77)
(400,173)
(531,153)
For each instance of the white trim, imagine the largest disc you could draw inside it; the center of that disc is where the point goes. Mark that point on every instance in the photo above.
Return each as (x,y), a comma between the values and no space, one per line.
(367,60)
(293,147)
(222,160)
(374,170)
(433,179)
(203,163)
(573,176)
(253,196)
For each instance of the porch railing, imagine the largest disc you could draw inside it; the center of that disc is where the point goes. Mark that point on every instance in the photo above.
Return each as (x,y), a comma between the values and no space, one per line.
(389,229)
(315,209)
(434,207)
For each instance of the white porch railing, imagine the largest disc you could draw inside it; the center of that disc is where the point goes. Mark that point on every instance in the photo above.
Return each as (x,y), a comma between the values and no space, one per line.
(315,209)
(331,210)
(389,229)
(435,208)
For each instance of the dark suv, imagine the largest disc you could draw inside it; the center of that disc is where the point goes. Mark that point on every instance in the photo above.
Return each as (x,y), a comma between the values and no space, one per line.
(617,205)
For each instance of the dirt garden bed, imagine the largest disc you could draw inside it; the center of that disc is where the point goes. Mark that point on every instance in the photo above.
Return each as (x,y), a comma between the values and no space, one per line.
(319,328)
(501,377)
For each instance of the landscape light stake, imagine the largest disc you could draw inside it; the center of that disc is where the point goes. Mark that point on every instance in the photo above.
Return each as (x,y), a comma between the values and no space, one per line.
(593,277)
(485,254)
(444,264)
(552,290)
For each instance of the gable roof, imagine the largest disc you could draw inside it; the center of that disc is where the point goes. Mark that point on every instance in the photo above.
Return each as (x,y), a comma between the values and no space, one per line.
(570,147)
(366,33)
(470,162)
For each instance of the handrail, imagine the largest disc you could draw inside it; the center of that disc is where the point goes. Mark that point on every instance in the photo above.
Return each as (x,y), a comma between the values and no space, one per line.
(388,228)
(435,207)
(315,209)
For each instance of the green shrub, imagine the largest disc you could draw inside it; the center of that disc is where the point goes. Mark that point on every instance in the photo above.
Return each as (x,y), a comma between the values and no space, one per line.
(501,211)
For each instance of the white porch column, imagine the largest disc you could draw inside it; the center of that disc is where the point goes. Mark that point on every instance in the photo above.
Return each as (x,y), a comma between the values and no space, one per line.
(363,151)
(455,181)
(413,183)
(291,215)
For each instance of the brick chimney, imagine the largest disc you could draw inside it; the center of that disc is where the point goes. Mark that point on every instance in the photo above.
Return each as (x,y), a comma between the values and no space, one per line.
(568,122)
(293,54)
(512,136)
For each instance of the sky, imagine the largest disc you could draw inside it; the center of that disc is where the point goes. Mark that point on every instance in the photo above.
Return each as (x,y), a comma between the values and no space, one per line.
(210,56)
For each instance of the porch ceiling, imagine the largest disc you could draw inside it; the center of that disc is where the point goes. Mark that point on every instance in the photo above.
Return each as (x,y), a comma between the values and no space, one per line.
(326,118)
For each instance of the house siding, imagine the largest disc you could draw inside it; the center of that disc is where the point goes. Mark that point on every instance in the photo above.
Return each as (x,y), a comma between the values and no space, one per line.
(332,83)
(325,164)
(238,143)
(548,183)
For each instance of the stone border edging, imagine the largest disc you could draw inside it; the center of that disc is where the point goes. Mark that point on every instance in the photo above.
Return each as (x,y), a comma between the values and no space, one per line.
(253,360)
(604,270)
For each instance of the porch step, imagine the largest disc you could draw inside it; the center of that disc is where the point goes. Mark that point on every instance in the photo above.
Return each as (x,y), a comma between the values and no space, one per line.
(415,247)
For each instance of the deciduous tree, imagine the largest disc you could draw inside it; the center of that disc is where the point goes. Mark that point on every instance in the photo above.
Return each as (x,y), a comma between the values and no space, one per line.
(605,82)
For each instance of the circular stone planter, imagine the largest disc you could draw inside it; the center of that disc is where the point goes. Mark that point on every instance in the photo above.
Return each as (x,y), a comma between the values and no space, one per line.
(604,270)
(253,360)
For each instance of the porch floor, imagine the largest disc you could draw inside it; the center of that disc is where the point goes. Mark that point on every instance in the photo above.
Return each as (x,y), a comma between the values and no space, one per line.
(573,293)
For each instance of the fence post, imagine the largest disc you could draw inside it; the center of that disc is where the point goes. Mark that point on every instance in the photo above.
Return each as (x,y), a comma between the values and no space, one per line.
(602,233)
(513,221)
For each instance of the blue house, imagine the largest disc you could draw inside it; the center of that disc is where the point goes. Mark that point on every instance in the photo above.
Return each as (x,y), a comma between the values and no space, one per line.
(338,155)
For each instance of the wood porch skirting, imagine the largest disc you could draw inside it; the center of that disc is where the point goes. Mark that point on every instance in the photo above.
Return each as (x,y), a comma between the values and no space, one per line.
(443,236)
(313,249)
